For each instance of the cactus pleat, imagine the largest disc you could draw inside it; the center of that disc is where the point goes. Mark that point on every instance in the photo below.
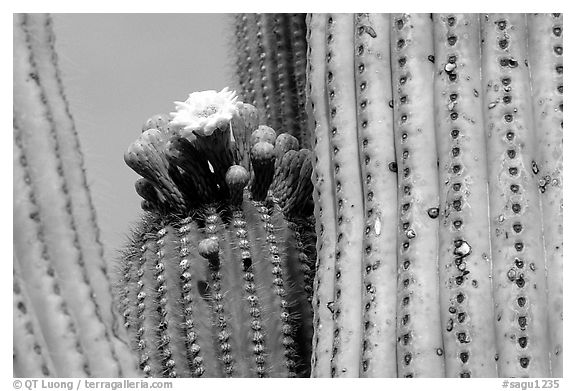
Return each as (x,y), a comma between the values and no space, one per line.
(324,198)
(519,276)
(57,209)
(342,133)
(546,69)
(418,318)
(220,273)
(378,160)
(464,250)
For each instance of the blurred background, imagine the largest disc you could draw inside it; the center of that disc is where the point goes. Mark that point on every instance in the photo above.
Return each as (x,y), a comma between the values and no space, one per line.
(120,69)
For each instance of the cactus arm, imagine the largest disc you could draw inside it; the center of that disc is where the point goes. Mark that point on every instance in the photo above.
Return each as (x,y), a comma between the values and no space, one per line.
(377,157)
(82,211)
(545,44)
(324,202)
(418,315)
(54,166)
(516,229)
(464,250)
(347,177)
(271,69)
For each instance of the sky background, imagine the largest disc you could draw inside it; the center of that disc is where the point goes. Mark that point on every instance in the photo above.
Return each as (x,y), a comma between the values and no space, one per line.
(120,69)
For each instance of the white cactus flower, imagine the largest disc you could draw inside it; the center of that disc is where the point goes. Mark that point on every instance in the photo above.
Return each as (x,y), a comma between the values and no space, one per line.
(205,111)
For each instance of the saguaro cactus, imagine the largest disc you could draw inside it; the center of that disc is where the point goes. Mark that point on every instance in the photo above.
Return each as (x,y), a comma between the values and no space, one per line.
(217,281)
(465,138)
(64,320)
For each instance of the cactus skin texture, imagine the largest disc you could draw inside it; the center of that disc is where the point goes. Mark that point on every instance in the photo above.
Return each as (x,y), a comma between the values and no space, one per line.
(65,322)
(217,278)
(271,70)
(477,129)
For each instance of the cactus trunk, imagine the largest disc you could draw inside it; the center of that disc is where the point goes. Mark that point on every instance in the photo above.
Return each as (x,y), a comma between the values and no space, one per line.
(58,253)
(472,285)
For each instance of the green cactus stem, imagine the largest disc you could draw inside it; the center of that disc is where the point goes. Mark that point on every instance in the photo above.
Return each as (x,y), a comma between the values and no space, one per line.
(58,254)
(217,279)
(464,249)
(271,69)
(546,69)
(516,231)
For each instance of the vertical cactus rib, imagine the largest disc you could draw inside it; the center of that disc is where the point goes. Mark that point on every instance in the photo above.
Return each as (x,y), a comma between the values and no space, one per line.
(49,142)
(546,71)
(148,316)
(171,346)
(31,355)
(252,296)
(464,250)
(516,230)
(254,45)
(347,177)
(201,356)
(375,132)
(419,345)
(324,201)
(265,55)
(245,62)
(299,52)
(226,307)
(287,109)
(269,260)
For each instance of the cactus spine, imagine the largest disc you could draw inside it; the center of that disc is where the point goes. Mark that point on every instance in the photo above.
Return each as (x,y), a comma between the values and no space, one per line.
(217,279)
(58,254)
